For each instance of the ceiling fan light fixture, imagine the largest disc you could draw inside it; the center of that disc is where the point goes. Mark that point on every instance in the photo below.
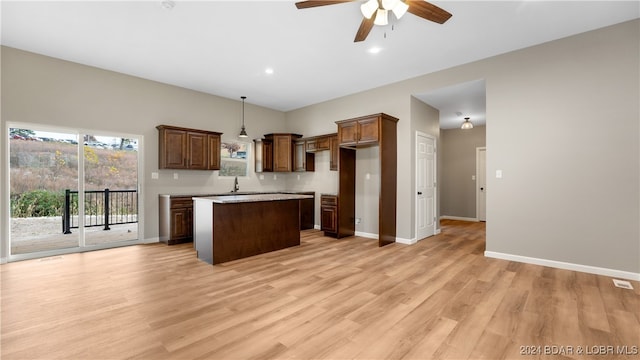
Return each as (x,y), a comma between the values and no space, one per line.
(389,4)
(466,125)
(381,17)
(400,9)
(369,8)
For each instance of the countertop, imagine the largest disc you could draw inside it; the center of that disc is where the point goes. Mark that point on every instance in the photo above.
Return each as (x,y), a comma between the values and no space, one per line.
(256,197)
(236,193)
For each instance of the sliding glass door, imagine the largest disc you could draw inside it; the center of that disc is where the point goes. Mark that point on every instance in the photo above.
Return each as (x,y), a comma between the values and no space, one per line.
(71,191)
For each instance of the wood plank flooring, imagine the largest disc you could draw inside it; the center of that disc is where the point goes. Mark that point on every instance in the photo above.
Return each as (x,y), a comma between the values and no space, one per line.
(326,299)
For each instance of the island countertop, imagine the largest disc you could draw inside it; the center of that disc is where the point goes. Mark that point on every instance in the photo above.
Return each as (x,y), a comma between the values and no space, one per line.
(230,199)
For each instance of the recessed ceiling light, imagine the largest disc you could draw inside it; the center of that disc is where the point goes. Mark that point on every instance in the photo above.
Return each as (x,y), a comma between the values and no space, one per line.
(374,50)
(268,71)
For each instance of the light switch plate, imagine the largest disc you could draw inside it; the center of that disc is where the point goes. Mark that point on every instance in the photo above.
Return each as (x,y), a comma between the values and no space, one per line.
(498,174)
(154,175)
(175,176)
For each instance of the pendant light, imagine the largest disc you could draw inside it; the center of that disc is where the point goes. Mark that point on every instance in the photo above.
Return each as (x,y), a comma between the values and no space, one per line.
(243,132)
(466,125)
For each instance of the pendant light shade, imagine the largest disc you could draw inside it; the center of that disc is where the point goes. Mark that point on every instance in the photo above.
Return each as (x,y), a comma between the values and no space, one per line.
(243,131)
(466,125)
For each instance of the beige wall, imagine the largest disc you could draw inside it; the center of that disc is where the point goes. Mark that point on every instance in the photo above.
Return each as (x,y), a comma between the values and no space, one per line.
(43,90)
(563,127)
(458,157)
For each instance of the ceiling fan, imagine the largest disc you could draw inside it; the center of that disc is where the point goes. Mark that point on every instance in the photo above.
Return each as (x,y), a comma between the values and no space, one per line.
(375,12)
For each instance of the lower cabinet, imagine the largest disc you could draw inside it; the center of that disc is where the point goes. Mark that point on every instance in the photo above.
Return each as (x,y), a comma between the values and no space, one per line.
(176,219)
(329,214)
(307,211)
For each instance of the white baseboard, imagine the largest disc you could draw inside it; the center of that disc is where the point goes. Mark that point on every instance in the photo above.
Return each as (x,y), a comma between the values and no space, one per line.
(317,227)
(367,235)
(566,266)
(447,217)
(151,240)
(406,241)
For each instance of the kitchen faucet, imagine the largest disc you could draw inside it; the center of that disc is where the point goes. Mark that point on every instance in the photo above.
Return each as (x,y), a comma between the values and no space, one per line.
(236,186)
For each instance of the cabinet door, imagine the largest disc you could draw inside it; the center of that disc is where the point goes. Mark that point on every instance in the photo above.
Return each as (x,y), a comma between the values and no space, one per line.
(282,153)
(334,149)
(299,157)
(328,217)
(214,152)
(198,151)
(180,223)
(348,133)
(267,156)
(173,149)
(368,130)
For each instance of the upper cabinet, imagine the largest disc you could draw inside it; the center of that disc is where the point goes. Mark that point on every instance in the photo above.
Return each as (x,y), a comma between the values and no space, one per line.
(334,148)
(303,160)
(264,155)
(317,143)
(276,152)
(363,131)
(189,149)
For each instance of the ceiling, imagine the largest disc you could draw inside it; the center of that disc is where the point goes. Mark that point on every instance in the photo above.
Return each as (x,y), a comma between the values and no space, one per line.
(224,47)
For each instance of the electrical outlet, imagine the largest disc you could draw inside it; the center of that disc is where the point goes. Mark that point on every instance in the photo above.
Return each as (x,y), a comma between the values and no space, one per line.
(358,221)
(622,284)
(261,177)
(175,176)
(154,175)
(275,177)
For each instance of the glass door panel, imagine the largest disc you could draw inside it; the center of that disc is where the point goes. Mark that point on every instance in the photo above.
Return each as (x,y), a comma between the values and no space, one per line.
(42,165)
(110,189)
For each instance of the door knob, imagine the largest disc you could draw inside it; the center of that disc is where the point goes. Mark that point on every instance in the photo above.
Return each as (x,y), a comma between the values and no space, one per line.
(481,189)
(419,192)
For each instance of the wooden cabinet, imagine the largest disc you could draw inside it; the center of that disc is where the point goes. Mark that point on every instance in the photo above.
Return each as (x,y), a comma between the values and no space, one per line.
(307,211)
(329,214)
(198,151)
(363,131)
(318,143)
(334,148)
(172,148)
(379,130)
(303,160)
(188,149)
(282,151)
(264,155)
(176,219)
(214,151)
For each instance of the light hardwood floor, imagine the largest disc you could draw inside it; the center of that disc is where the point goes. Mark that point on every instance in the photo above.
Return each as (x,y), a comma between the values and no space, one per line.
(326,299)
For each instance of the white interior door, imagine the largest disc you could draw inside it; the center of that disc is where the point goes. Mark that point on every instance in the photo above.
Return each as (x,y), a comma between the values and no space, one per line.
(481,183)
(425,186)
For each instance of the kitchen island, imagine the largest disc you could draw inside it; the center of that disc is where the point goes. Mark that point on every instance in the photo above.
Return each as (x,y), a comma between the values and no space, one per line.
(233,227)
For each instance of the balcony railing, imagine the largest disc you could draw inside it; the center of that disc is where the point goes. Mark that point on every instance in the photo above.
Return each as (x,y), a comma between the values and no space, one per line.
(101,207)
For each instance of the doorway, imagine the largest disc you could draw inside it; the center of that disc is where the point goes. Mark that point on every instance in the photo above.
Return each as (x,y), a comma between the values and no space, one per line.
(481,183)
(71,191)
(425,185)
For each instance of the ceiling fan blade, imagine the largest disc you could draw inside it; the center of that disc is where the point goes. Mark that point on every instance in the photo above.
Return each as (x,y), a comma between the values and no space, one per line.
(428,11)
(314,3)
(365,28)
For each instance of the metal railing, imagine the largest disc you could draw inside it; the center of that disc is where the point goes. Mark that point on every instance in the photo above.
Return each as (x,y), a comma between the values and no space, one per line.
(101,207)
